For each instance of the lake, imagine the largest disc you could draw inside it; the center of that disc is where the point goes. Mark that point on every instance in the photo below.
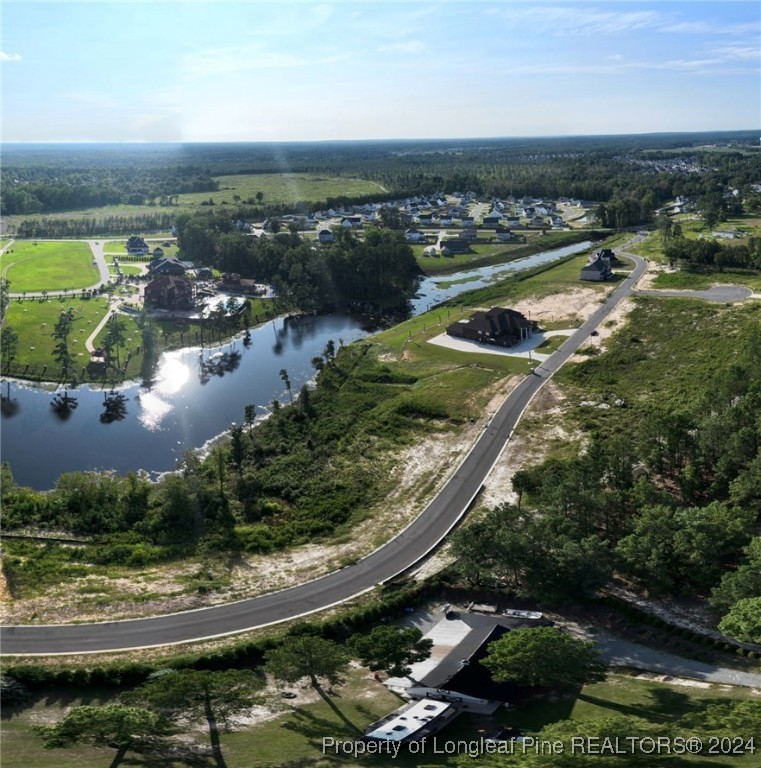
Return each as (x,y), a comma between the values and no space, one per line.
(190,405)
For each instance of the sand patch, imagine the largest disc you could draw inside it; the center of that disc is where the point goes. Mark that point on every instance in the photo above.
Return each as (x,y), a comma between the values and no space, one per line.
(576,303)
(523,451)
(683,681)
(616,320)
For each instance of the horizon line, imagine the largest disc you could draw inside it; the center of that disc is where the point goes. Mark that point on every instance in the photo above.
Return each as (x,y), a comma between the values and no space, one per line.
(139,142)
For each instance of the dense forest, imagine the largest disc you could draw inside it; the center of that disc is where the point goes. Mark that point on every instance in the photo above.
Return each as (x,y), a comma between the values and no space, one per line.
(376,271)
(40,180)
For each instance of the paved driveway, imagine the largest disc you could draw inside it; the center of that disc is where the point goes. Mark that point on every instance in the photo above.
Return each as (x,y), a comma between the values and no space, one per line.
(720,293)
(624,653)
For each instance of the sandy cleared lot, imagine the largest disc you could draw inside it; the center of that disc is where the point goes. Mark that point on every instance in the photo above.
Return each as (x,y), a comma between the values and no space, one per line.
(578,303)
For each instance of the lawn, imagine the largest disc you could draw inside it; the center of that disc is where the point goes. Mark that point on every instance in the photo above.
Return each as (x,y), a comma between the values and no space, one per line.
(34,321)
(483,254)
(281,188)
(294,737)
(48,266)
(656,703)
(684,279)
(126,268)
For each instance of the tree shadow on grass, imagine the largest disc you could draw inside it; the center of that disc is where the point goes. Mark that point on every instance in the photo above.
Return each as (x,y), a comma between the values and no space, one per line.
(676,704)
(642,712)
(315,727)
(329,701)
(309,725)
(60,697)
(169,757)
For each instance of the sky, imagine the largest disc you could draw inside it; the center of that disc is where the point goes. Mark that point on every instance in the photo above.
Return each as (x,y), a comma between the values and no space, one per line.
(196,71)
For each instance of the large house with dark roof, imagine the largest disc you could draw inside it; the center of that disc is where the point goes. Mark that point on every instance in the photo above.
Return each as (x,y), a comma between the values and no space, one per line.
(169,292)
(451,247)
(136,245)
(598,269)
(499,326)
(166,265)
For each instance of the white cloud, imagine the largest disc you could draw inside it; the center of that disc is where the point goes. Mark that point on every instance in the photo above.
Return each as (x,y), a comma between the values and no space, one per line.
(579,21)
(321,14)
(712,65)
(225,61)
(412,46)
(235,59)
(737,52)
(9,56)
(707,28)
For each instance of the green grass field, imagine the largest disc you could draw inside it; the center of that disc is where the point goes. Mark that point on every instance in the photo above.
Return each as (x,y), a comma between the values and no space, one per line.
(656,703)
(483,254)
(281,188)
(295,736)
(34,321)
(48,266)
(699,280)
(127,268)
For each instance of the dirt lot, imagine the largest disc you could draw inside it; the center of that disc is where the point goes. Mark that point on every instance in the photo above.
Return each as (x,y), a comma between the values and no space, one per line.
(576,304)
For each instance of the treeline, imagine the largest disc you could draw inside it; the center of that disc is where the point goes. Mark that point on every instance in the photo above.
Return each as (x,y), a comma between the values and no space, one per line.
(377,271)
(58,227)
(592,168)
(709,253)
(40,189)
(672,505)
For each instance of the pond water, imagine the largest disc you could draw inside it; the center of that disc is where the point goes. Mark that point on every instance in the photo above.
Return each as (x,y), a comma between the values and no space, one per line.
(189,405)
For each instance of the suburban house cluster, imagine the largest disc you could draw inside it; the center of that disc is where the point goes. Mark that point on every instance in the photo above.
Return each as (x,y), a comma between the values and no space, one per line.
(175,285)
(425,217)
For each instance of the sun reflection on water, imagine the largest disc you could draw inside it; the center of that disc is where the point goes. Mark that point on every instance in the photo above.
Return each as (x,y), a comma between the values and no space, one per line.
(170,379)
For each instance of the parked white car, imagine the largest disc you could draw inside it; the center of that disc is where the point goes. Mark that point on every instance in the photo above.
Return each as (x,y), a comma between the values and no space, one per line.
(517,614)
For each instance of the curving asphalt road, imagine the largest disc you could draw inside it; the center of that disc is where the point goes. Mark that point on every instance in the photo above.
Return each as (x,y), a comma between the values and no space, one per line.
(416,541)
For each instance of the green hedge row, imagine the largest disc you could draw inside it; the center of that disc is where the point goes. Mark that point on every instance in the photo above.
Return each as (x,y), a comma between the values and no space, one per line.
(643,617)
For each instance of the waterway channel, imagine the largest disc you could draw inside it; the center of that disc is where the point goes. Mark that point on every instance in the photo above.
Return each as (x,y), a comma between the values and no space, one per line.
(184,410)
